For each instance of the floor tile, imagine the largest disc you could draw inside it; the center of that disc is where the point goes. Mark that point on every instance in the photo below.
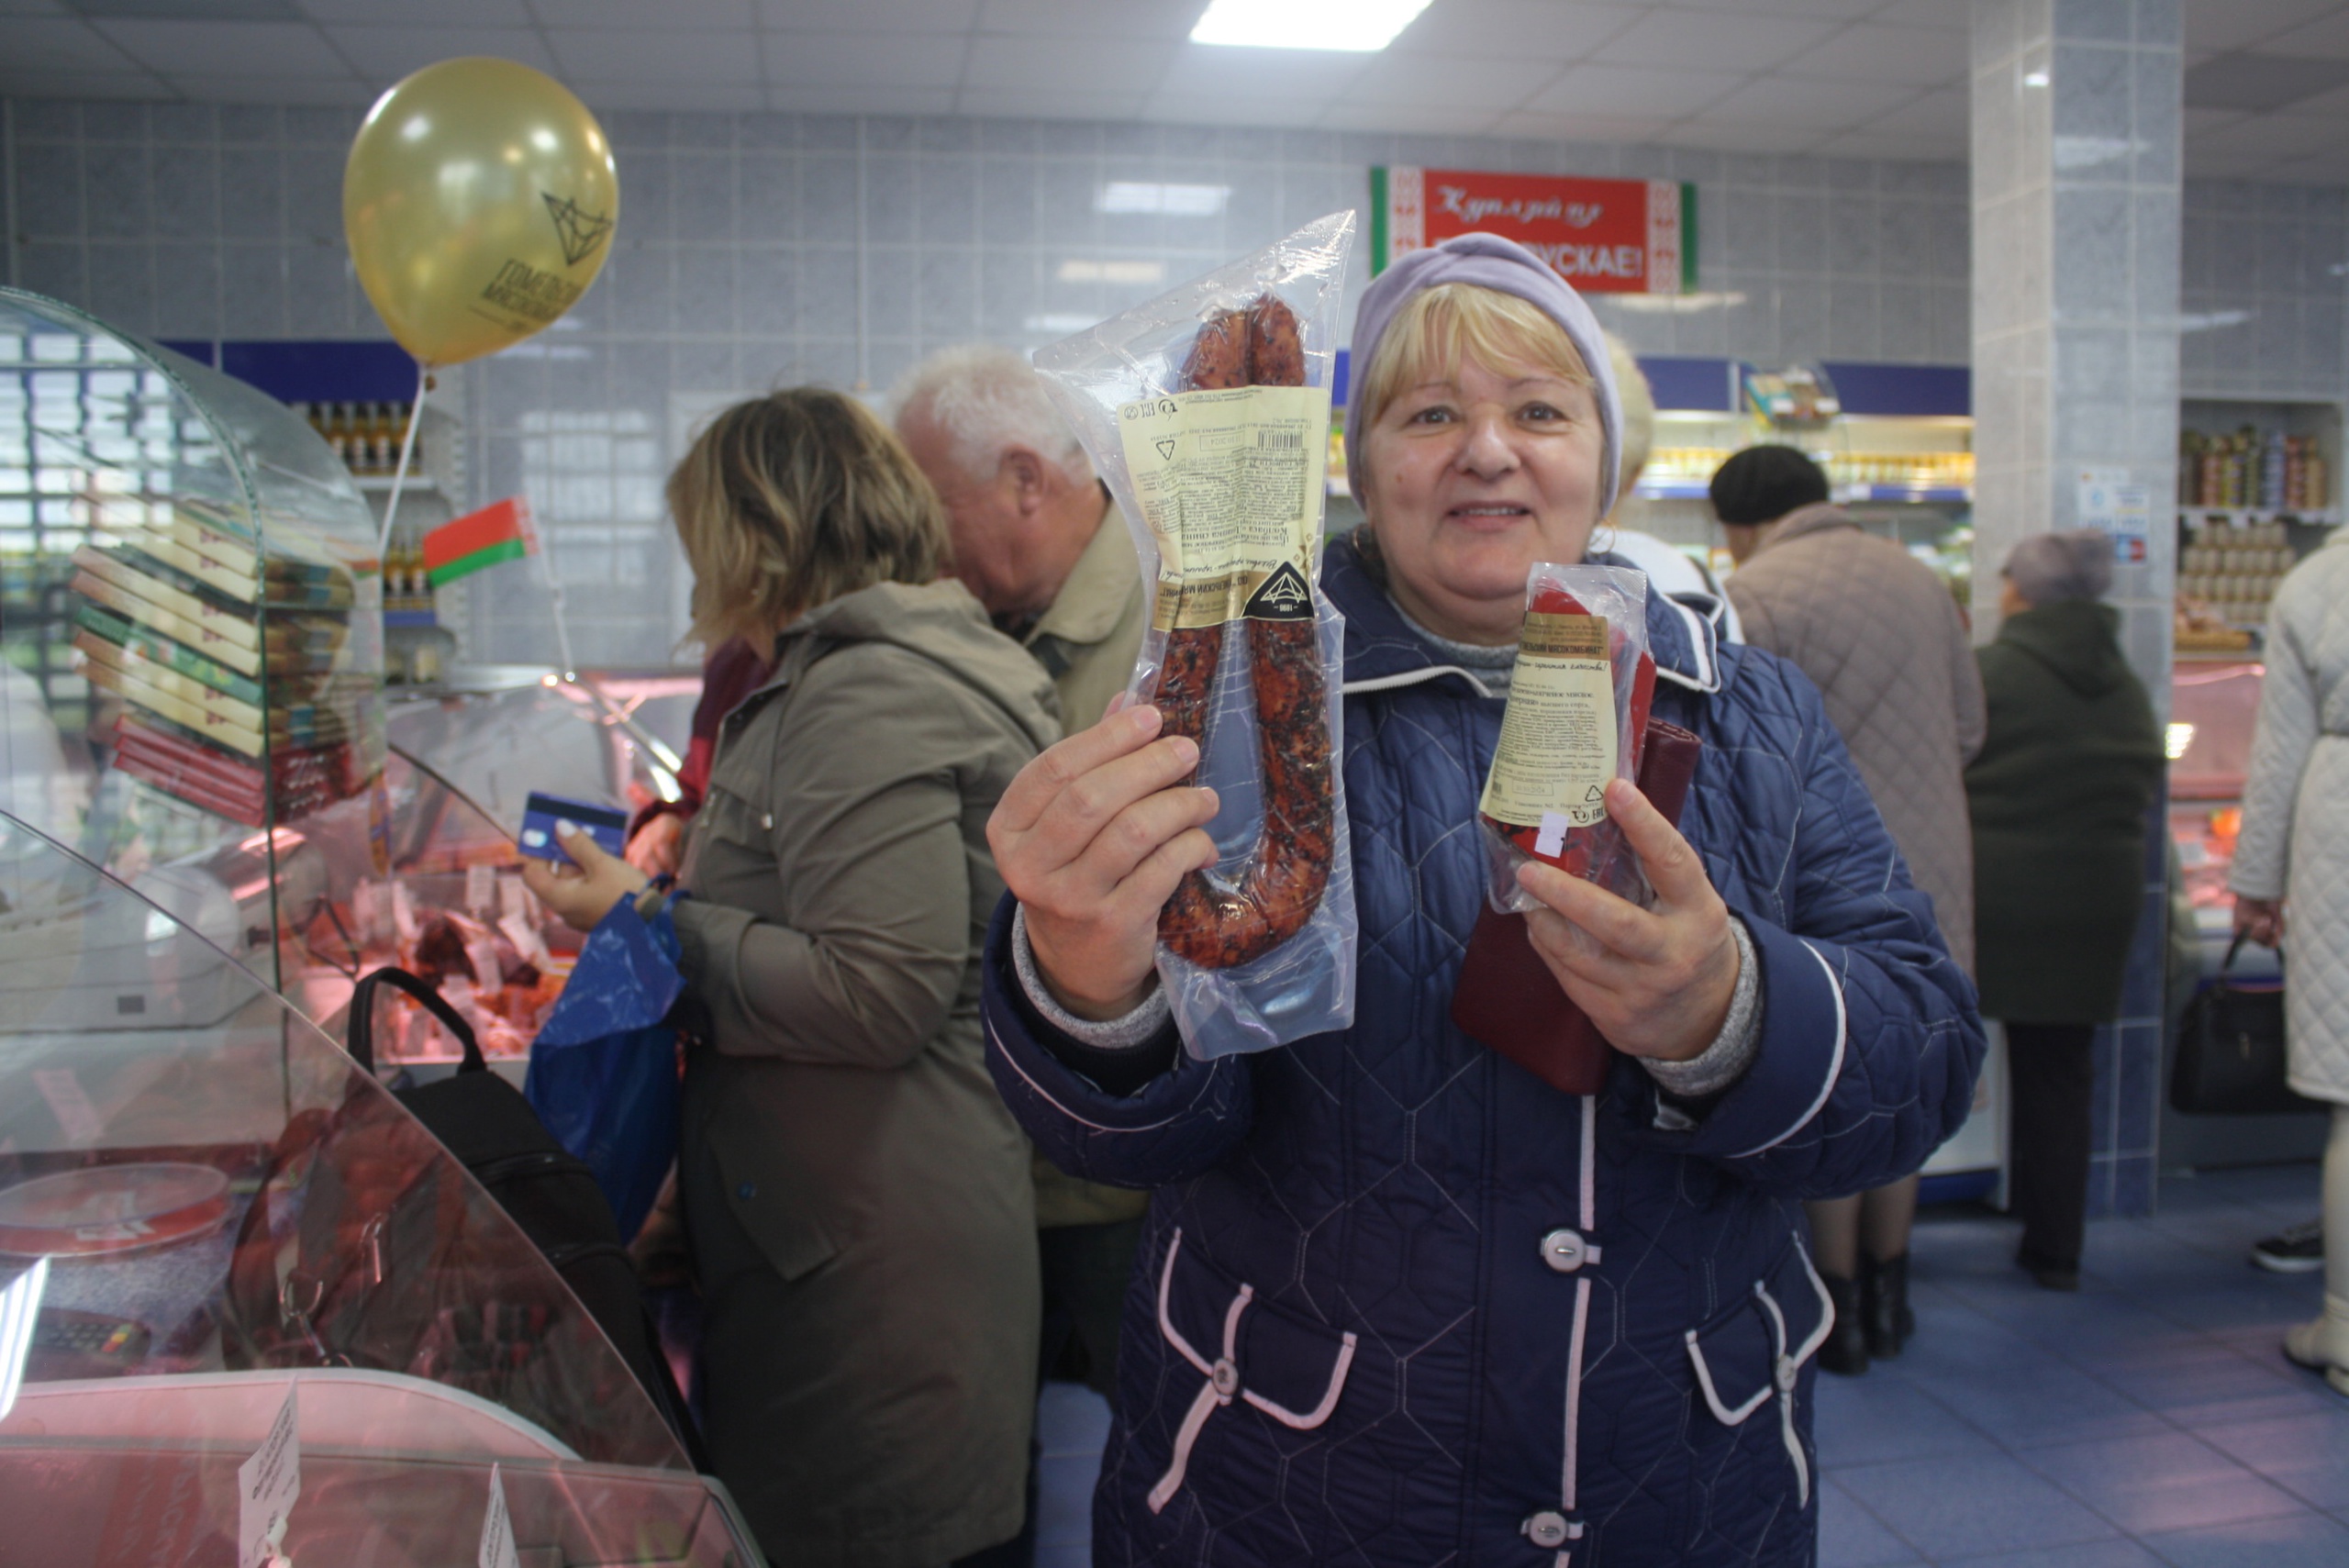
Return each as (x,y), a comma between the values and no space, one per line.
(1971,1506)
(1877,1418)
(1850,1537)
(2168,1482)
(1065,1497)
(2294,1540)
(2199,1383)
(2040,1405)
(2307,1455)
(1071,1419)
(2114,1554)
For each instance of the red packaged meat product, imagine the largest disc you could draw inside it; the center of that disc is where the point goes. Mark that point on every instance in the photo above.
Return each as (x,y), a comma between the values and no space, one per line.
(1207,412)
(1578,716)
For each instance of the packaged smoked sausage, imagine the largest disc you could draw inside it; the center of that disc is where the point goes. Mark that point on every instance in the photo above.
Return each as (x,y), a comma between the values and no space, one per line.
(1207,412)
(1577,717)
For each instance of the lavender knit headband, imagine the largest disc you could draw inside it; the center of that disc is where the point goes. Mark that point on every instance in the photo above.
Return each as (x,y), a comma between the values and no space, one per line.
(1489,262)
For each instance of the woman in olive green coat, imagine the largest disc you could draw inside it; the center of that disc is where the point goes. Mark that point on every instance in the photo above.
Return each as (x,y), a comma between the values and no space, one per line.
(858,1199)
(2059,792)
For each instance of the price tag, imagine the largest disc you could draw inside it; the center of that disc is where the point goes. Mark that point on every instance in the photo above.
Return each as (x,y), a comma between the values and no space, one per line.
(267,1484)
(480,888)
(497,1549)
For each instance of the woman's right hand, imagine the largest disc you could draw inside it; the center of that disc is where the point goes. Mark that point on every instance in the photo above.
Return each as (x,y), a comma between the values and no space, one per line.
(1092,837)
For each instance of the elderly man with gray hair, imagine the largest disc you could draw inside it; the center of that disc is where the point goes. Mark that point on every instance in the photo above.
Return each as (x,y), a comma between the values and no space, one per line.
(2059,792)
(1037,541)
(1034,540)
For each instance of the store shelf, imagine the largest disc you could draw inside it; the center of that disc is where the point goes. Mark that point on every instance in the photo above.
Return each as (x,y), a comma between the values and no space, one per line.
(381,485)
(1911,495)
(2325,517)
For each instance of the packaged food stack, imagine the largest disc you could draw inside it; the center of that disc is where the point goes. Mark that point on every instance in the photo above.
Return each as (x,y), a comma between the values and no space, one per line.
(2251,470)
(1685,462)
(1909,471)
(2231,570)
(365,436)
(225,661)
(407,585)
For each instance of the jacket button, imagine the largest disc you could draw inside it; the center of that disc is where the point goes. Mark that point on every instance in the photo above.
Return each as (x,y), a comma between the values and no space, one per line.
(1546,1529)
(766,820)
(1226,1378)
(1564,1250)
(1787,1372)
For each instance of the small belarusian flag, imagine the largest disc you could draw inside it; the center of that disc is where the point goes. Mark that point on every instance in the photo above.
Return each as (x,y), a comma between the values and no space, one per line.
(500,531)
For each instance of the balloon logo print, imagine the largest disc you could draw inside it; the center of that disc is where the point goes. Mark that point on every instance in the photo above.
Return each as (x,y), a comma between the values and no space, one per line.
(580,232)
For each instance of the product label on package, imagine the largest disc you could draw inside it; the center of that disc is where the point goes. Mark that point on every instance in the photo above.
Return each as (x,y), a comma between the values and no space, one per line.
(1558,737)
(1229,483)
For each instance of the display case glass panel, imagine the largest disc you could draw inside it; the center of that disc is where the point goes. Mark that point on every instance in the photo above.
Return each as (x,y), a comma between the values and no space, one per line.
(204,1200)
(189,615)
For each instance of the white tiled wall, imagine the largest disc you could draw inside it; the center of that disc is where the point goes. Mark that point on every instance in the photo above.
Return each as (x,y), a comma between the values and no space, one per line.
(2264,271)
(762,250)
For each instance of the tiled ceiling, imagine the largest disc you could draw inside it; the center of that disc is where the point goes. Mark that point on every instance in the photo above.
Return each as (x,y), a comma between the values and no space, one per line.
(1881,78)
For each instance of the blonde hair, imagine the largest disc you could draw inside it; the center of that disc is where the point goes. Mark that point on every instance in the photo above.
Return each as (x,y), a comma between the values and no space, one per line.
(1437,329)
(791,500)
(1638,401)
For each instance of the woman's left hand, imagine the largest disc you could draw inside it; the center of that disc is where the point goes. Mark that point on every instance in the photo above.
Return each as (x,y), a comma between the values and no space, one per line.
(1657,982)
(583,893)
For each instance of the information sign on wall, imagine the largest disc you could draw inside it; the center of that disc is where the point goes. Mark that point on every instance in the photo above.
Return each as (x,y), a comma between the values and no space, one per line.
(1603,235)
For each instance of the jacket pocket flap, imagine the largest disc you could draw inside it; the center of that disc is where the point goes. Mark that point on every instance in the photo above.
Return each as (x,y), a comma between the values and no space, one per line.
(1735,1357)
(1290,1367)
(777,1207)
(1756,1345)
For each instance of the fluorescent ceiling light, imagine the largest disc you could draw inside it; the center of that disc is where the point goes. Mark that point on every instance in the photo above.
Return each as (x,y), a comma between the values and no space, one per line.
(1174,201)
(1061,324)
(1081,271)
(1361,27)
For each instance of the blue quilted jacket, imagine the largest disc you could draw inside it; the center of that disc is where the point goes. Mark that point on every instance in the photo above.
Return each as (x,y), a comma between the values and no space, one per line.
(1399,1302)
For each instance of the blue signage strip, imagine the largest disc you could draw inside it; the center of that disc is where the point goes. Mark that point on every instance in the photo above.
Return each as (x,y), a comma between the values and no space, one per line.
(312,370)
(1692,385)
(1914,391)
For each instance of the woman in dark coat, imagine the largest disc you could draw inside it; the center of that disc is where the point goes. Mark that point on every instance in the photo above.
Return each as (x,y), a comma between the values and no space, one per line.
(2059,795)
(1399,1301)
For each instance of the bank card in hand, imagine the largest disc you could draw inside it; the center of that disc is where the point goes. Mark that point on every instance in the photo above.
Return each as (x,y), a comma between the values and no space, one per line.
(606,826)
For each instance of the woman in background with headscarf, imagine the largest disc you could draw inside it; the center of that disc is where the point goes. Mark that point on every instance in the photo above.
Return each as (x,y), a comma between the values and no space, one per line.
(2069,765)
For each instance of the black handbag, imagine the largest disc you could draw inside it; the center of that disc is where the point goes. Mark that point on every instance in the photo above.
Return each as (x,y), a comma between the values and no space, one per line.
(345,1308)
(2230,1057)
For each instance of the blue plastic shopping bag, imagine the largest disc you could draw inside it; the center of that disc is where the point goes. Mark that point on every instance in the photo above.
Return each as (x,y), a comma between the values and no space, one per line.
(604,1069)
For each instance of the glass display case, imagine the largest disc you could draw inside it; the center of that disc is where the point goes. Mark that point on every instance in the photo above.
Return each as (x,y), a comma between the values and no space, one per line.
(204,1203)
(2214,709)
(449,904)
(190,617)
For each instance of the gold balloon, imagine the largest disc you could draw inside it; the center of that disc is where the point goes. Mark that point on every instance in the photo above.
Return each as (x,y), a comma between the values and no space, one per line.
(479,200)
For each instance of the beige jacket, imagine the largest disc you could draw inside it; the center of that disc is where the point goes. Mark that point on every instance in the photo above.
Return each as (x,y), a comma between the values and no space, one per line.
(1087,642)
(1089,638)
(1881,638)
(857,1196)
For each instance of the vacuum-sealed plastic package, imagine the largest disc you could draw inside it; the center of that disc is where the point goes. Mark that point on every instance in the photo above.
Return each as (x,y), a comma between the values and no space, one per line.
(1577,717)
(1207,412)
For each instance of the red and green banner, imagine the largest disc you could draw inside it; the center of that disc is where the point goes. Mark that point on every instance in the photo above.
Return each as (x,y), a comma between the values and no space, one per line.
(1603,235)
(500,531)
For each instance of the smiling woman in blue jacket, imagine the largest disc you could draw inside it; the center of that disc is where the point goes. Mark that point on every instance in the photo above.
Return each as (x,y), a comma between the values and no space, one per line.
(1399,1301)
